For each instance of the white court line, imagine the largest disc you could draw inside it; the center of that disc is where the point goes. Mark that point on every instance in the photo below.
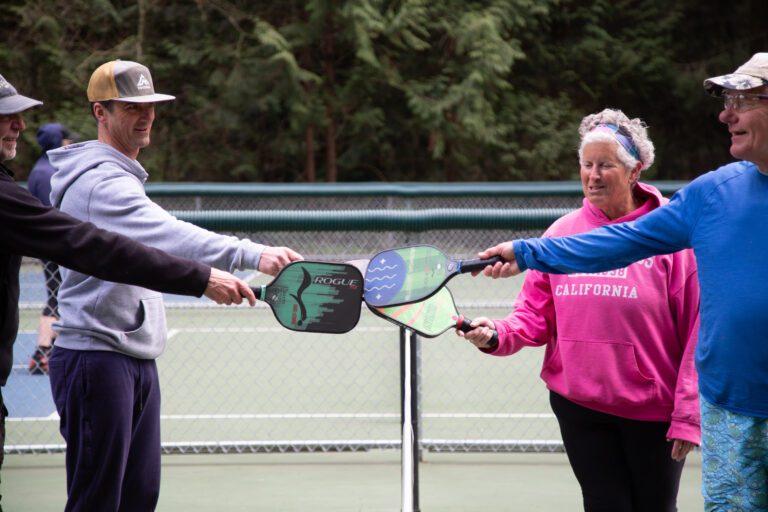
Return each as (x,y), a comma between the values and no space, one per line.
(518,415)
(279,416)
(54,416)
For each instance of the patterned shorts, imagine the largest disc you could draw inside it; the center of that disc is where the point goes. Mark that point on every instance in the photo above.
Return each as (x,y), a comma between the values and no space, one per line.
(734,452)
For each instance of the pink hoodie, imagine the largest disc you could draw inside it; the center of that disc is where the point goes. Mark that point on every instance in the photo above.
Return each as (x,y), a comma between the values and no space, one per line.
(620,342)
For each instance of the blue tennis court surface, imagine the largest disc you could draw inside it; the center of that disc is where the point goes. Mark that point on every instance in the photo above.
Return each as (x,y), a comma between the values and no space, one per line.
(25,395)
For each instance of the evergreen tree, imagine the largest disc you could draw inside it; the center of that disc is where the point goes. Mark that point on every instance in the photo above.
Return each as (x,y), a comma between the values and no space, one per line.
(387,90)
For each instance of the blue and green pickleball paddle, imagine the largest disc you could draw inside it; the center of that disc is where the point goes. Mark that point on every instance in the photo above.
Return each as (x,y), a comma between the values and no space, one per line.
(313,296)
(411,274)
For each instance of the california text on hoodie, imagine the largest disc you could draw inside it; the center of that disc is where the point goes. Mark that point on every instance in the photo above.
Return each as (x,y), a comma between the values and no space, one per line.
(97,183)
(620,342)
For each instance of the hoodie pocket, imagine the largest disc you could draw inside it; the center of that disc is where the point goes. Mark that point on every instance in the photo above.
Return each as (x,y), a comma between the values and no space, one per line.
(605,372)
(152,328)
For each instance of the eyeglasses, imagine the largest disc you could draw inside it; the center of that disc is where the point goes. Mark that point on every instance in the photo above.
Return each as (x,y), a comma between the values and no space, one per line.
(741,102)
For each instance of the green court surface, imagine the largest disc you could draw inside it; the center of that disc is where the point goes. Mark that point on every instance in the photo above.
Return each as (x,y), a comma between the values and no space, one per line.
(338,482)
(233,375)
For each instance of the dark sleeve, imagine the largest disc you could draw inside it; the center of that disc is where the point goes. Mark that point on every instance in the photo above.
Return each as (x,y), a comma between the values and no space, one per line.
(29,228)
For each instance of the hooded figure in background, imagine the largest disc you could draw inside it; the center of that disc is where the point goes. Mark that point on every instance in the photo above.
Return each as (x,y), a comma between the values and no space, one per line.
(49,136)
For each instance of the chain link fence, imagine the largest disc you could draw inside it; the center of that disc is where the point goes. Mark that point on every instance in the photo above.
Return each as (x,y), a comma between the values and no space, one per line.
(233,380)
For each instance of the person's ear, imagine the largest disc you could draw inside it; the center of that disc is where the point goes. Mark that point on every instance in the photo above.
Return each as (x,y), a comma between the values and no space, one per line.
(99,111)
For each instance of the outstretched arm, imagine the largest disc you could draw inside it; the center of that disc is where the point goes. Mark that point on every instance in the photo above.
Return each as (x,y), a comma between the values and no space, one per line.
(29,228)
(665,230)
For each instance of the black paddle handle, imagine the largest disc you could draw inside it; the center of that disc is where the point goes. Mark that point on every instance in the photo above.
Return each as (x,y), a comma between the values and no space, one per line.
(465,325)
(257,292)
(472,265)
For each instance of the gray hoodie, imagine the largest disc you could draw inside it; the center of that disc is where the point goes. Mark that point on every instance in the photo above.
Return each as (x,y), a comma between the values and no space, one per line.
(94,182)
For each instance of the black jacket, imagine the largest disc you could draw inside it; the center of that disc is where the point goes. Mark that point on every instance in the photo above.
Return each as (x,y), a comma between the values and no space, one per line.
(28,228)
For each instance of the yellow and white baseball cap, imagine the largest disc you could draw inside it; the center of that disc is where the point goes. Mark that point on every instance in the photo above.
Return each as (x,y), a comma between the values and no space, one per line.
(124,80)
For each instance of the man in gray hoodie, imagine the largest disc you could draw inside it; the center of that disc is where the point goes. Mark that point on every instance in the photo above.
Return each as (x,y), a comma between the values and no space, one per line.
(30,228)
(102,368)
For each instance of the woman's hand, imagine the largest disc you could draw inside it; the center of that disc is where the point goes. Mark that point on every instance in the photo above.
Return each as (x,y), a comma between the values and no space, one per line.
(482,332)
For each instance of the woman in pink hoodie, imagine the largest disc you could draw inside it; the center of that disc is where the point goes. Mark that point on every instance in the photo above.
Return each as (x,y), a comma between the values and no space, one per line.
(619,345)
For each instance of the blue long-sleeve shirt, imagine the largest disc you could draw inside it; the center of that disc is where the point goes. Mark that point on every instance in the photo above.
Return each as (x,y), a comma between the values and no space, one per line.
(723,216)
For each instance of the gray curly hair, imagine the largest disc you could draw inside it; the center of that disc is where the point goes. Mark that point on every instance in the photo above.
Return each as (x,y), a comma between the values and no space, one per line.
(636,129)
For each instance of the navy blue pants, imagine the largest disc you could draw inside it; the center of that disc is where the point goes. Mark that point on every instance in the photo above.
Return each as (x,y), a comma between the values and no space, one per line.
(622,465)
(109,406)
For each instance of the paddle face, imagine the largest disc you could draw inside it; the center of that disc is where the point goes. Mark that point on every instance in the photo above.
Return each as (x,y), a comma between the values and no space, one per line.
(429,318)
(407,274)
(313,296)
(411,274)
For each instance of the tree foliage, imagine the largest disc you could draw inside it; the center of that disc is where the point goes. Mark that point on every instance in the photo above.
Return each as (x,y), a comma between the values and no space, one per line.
(388,90)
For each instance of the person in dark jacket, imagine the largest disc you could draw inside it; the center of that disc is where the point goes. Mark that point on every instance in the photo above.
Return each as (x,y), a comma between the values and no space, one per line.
(49,136)
(29,228)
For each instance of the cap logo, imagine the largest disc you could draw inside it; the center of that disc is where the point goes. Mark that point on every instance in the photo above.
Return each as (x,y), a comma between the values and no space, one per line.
(143,83)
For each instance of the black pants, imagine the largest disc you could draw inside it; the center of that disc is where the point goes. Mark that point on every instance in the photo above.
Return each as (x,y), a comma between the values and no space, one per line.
(622,465)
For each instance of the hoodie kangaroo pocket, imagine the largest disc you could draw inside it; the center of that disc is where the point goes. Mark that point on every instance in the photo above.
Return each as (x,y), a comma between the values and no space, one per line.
(605,372)
(151,329)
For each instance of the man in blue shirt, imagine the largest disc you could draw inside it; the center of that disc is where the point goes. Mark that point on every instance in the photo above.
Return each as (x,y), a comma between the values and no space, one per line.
(723,216)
